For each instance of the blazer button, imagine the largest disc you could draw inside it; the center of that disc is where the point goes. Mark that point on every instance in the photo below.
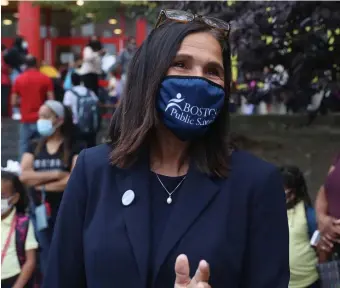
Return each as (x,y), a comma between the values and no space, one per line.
(128,197)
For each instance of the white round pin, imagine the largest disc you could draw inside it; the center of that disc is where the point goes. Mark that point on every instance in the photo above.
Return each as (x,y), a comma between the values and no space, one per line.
(128,197)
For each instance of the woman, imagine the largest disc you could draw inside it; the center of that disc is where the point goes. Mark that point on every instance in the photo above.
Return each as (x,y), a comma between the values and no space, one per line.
(167,184)
(47,164)
(302,225)
(91,67)
(328,212)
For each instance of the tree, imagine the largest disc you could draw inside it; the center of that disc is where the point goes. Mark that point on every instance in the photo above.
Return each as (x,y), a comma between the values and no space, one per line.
(103,10)
(301,35)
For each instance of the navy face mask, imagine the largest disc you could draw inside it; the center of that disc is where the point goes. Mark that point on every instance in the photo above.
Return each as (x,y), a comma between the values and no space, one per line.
(189,105)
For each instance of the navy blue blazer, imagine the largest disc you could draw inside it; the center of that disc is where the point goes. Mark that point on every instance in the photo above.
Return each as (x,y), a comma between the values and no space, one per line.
(239,225)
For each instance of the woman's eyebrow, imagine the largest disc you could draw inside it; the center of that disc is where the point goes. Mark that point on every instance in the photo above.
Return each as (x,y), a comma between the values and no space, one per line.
(215,64)
(183,55)
(211,63)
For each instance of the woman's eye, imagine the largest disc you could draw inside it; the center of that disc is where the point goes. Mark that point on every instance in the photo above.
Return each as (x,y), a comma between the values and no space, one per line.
(179,64)
(213,72)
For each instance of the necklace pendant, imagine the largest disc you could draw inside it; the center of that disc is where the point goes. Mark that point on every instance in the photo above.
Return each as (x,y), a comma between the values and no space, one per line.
(169,200)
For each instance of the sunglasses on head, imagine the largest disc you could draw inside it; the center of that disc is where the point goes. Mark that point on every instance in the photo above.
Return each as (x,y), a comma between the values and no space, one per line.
(185,17)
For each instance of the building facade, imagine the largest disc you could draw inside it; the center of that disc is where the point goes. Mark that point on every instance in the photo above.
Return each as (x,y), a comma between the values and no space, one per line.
(51,36)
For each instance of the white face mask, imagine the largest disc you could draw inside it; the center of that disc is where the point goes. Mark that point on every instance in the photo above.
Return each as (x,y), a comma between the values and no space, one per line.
(24,45)
(5,205)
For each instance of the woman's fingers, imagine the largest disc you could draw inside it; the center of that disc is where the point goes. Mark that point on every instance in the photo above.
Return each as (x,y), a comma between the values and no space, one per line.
(326,244)
(203,285)
(329,237)
(202,272)
(182,271)
(336,221)
(336,227)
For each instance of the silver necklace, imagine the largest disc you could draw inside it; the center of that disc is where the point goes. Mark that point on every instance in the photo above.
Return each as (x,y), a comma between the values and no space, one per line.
(169,199)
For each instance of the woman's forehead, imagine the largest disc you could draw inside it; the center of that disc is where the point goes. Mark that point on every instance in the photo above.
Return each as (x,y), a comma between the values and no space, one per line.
(45,110)
(202,45)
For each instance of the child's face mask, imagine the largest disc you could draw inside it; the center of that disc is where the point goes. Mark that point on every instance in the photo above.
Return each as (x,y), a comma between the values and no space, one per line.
(6,205)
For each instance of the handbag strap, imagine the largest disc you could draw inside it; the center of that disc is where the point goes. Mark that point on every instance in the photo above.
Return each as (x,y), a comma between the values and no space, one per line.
(43,195)
(8,240)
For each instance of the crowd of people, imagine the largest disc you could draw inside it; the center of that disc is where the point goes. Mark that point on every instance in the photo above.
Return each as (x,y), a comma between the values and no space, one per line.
(54,132)
(60,116)
(39,183)
(272,91)
(26,84)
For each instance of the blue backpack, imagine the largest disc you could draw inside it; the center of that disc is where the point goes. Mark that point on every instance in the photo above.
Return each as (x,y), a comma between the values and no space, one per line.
(311,220)
(88,112)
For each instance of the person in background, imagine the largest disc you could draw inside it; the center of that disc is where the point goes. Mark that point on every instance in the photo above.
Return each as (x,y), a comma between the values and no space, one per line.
(29,92)
(91,67)
(265,92)
(328,212)
(52,73)
(49,70)
(74,99)
(250,95)
(62,69)
(124,59)
(112,89)
(73,67)
(280,79)
(18,243)
(302,225)
(5,83)
(15,57)
(47,164)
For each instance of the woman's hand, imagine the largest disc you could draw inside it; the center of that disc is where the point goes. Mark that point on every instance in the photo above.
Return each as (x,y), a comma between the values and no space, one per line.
(59,184)
(329,226)
(326,243)
(61,174)
(183,280)
(330,233)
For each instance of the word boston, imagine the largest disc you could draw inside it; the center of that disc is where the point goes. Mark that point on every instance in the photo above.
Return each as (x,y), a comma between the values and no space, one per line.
(188,105)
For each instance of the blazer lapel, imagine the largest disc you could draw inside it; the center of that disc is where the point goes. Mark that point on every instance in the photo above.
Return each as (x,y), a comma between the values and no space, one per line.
(137,214)
(196,194)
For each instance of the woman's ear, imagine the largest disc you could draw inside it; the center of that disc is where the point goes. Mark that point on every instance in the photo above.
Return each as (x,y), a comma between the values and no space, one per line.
(15,198)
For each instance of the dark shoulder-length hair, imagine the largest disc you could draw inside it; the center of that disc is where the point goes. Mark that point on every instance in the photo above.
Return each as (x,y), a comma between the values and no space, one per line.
(67,132)
(18,187)
(136,118)
(294,180)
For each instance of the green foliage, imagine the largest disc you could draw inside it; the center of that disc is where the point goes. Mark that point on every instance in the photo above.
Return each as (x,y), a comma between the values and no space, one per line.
(102,10)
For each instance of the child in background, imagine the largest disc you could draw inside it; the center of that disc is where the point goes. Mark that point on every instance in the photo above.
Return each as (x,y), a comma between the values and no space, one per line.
(302,225)
(18,244)
(73,68)
(112,89)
